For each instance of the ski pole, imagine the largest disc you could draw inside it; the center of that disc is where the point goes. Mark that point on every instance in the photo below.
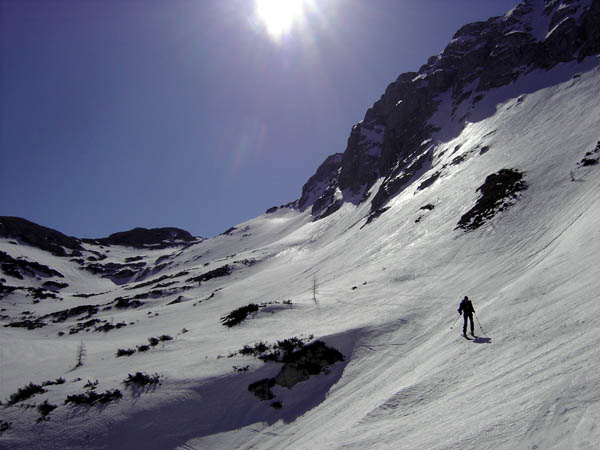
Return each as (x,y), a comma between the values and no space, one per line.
(479,323)
(454,321)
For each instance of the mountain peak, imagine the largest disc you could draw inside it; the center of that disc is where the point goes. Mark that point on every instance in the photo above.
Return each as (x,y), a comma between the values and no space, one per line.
(395,140)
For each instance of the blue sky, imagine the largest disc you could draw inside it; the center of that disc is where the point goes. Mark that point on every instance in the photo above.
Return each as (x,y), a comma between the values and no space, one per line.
(117,114)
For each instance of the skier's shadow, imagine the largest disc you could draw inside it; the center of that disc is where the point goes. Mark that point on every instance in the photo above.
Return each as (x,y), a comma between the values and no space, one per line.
(482,340)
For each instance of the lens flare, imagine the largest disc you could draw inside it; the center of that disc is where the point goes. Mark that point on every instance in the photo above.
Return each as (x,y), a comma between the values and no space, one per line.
(278,16)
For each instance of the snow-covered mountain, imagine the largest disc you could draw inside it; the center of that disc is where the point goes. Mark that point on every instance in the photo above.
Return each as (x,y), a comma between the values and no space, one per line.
(331,322)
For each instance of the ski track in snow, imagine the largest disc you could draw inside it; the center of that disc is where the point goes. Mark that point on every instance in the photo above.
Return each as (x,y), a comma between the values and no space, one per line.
(386,297)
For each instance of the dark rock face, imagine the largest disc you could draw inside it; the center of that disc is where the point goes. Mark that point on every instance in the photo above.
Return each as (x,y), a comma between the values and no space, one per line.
(591,31)
(395,139)
(320,191)
(156,238)
(37,236)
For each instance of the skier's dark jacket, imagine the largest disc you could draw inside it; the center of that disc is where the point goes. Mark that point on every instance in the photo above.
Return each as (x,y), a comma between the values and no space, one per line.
(467,307)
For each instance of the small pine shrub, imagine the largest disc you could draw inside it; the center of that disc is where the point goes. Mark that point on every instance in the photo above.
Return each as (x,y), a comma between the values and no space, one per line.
(288,346)
(239,315)
(44,409)
(81,354)
(247,350)
(142,379)
(165,337)
(143,348)
(261,347)
(25,393)
(91,397)
(153,341)
(125,352)
(57,381)
(270,356)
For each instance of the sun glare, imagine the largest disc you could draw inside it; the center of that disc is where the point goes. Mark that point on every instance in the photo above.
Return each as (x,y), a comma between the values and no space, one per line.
(278,16)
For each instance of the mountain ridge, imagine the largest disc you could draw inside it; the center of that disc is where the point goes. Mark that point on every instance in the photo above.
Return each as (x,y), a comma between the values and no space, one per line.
(51,240)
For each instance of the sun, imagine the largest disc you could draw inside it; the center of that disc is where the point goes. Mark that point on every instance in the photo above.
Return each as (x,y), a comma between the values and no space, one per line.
(278,16)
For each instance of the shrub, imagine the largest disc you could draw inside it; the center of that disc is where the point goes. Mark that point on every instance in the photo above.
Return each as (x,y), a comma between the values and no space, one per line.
(271,356)
(266,352)
(57,381)
(125,352)
(44,409)
(239,315)
(588,162)
(91,385)
(153,341)
(143,348)
(288,346)
(4,426)
(91,397)
(165,337)
(25,393)
(109,326)
(258,350)
(142,379)
(216,273)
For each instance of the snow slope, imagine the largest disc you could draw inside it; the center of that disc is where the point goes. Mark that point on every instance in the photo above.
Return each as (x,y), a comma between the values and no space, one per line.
(386,297)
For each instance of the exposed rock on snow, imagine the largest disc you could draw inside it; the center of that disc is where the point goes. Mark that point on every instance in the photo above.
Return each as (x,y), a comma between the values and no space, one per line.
(299,365)
(498,192)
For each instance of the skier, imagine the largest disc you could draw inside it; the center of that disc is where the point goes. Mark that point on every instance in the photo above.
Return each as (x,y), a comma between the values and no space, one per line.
(466,307)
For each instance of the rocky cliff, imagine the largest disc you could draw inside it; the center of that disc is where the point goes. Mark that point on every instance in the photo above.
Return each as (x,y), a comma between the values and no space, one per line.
(395,140)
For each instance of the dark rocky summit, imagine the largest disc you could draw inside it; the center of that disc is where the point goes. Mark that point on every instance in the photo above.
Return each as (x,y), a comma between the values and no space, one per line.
(396,138)
(38,236)
(156,238)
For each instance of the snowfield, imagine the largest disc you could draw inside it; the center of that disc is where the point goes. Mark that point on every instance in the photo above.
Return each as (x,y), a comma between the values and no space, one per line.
(386,297)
